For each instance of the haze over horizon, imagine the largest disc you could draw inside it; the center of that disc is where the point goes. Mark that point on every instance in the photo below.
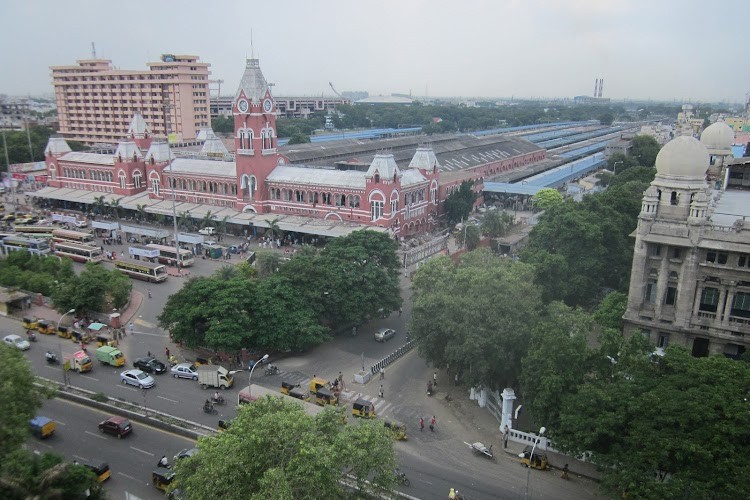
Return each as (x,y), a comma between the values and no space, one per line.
(667,50)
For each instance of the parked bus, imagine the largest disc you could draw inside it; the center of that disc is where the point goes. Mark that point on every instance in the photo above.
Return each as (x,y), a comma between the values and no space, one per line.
(142,270)
(167,255)
(36,230)
(73,236)
(34,246)
(139,252)
(79,252)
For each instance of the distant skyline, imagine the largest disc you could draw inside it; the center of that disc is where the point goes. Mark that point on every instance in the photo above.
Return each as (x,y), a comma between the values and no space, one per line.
(661,50)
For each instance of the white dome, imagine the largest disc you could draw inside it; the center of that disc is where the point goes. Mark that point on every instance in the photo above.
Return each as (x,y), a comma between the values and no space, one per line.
(718,136)
(683,156)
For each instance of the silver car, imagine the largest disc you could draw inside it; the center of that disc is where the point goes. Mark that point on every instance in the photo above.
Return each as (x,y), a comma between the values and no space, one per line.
(137,378)
(184,370)
(384,334)
(17,342)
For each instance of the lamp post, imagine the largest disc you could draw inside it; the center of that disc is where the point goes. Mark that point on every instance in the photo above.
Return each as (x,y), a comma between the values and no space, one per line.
(614,167)
(59,344)
(531,457)
(249,377)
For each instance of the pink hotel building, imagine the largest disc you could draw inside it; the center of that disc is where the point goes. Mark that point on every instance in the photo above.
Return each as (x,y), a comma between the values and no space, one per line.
(95,101)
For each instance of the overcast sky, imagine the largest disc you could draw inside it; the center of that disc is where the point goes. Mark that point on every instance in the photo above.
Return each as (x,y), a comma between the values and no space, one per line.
(657,49)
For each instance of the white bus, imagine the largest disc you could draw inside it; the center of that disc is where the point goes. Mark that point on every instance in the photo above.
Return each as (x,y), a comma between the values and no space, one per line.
(139,252)
(142,270)
(79,252)
(167,255)
(36,230)
(74,236)
(35,246)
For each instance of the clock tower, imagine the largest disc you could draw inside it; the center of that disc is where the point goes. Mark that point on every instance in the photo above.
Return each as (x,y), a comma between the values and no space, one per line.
(255,138)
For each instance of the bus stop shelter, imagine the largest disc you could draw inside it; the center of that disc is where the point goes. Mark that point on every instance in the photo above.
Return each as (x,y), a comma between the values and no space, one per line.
(158,235)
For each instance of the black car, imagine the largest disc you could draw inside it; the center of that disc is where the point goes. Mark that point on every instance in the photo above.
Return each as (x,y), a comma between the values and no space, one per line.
(117,426)
(150,365)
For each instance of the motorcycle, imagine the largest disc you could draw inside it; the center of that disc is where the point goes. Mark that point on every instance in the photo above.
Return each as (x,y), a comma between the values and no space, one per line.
(164,463)
(429,388)
(272,370)
(172,360)
(51,357)
(210,409)
(218,401)
(401,478)
(31,335)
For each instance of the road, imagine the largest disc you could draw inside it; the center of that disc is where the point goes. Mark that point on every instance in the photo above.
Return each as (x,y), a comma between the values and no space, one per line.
(131,459)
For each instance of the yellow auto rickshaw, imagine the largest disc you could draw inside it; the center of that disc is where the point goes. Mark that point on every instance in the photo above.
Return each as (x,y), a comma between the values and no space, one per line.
(287,386)
(224,425)
(45,327)
(104,340)
(325,397)
(80,336)
(537,461)
(299,393)
(42,427)
(162,478)
(30,323)
(398,430)
(317,383)
(363,408)
(101,469)
(64,332)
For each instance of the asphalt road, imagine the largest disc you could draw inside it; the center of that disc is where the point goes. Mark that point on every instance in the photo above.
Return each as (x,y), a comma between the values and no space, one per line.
(131,459)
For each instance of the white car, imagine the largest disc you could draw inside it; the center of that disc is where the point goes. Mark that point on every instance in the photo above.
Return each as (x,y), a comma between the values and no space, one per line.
(137,378)
(17,342)
(184,370)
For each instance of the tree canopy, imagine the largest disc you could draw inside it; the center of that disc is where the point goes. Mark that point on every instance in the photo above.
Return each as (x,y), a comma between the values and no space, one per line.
(495,223)
(18,145)
(460,203)
(644,148)
(94,288)
(19,399)
(475,315)
(275,450)
(547,198)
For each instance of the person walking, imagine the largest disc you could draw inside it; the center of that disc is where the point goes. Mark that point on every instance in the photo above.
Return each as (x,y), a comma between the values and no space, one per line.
(564,474)
(166,352)
(381,391)
(149,293)
(382,373)
(505,437)
(433,422)
(434,378)
(400,310)
(421,424)
(132,328)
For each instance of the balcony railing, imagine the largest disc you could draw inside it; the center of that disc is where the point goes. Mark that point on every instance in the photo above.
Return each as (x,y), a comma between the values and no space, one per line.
(246,152)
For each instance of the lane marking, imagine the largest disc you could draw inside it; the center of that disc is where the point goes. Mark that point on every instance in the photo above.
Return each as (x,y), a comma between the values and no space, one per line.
(127,476)
(142,451)
(124,386)
(167,399)
(95,435)
(151,334)
(61,423)
(90,378)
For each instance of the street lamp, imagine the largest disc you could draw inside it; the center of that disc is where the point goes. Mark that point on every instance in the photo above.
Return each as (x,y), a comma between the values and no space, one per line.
(249,377)
(614,167)
(59,343)
(531,457)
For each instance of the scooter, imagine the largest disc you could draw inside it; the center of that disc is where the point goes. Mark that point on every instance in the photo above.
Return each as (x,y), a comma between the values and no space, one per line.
(31,335)
(51,357)
(272,370)
(218,401)
(210,410)
(401,478)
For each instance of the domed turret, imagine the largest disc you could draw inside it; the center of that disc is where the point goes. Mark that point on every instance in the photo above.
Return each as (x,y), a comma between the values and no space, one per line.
(719,136)
(683,157)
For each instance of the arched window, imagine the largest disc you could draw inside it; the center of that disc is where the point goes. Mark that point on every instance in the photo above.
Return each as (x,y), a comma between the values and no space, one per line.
(123,180)
(394,203)
(354,201)
(299,196)
(155,185)
(376,207)
(339,200)
(673,198)
(266,138)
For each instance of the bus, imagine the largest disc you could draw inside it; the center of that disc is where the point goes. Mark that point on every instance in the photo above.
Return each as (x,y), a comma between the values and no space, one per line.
(167,255)
(72,236)
(79,252)
(34,246)
(35,230)
(248,396)
(142,270)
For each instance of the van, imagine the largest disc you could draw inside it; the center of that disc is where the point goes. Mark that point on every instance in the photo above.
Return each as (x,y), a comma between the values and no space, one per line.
(112,356)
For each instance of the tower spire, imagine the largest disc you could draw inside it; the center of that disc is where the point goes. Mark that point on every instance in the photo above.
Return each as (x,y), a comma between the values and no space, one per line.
(252,51)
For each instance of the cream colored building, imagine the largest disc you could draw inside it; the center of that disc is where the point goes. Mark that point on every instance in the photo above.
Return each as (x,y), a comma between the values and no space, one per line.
(95,101)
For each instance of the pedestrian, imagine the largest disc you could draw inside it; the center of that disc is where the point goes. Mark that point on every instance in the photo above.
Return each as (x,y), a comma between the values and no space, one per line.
(432,423)
(149,293)
(148,354)
(166,352)
(421,424)
(132,328)
(434,378)
(381,391)
(505,437)
(400,310)
(382,373)
(564,474)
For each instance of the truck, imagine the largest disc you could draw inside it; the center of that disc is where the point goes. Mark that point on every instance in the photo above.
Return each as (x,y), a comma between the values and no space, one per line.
(81,362)
(214,376)
(108,355)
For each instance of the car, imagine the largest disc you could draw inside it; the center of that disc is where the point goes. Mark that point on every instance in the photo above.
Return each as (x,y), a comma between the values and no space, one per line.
(137,378)
(207,231)
(150,365)
(117,426)
(384,334)
(17,342)
(186,453)
(184,370)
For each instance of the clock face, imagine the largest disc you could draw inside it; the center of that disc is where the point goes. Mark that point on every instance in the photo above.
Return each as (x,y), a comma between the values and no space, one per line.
(267,105)
(242,105)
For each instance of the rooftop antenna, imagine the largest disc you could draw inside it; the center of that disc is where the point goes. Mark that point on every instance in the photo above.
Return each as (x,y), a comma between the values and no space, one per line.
(93,51)
(252,51)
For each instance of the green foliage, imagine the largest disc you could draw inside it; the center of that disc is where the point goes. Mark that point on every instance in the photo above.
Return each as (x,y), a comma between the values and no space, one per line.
(288,127)
(611,310)
(25,475)
(34,273)
(223,124)
(607,118)
(495,223)
(267,262)
(643,175)
(475,315)
(460,203)
(19,399)
(547,198)
(299,138)
(92,290)
(619,163)
(274,450)
(18,145)
(644,148)
(469,236)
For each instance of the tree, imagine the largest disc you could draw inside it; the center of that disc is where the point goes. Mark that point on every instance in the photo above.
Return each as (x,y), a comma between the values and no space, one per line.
(267,262)
(223,125)
(607,118)
(99,205)
(547,198)
(273,231)
(19,397)
(611,310)
(475,315)
(94,288)
(114,206)
(183,220)
(299,138)
(619,163)
(275,450)
(460,203)
(639,174)
(25,475)
(208,219)
(495,223)
(469,236)
(140,212)
(644,148)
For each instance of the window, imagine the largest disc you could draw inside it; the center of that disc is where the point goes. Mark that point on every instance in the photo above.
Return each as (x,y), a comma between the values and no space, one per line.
(123,182)
(354,201)
(155,186)
(650,295)
(663,340)
(709,299)
(376,209)
(674,198)
(654,250)
(137,179)
(394,206)
(671,297)
(743,260)
(299,196)
(676,252)
(741,305)
(716,257)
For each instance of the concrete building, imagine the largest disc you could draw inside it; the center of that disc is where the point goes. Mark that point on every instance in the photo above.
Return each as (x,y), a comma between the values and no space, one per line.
(288,107)
(690,281)
(95,101)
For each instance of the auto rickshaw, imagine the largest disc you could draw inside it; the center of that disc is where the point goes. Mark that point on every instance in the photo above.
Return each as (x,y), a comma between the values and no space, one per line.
(45,327)
(64,332)
(30,323)
(286,387)
(398,430)
(101,469)
(162,478)
(538,461)
(299,393)
(80,336)
(224,425)
(363,408)
(325,397)
(317,383)
(103,341)
(42,427)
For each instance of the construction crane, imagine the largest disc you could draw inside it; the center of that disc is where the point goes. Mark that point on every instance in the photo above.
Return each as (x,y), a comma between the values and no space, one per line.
(334,90)
(219,82)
